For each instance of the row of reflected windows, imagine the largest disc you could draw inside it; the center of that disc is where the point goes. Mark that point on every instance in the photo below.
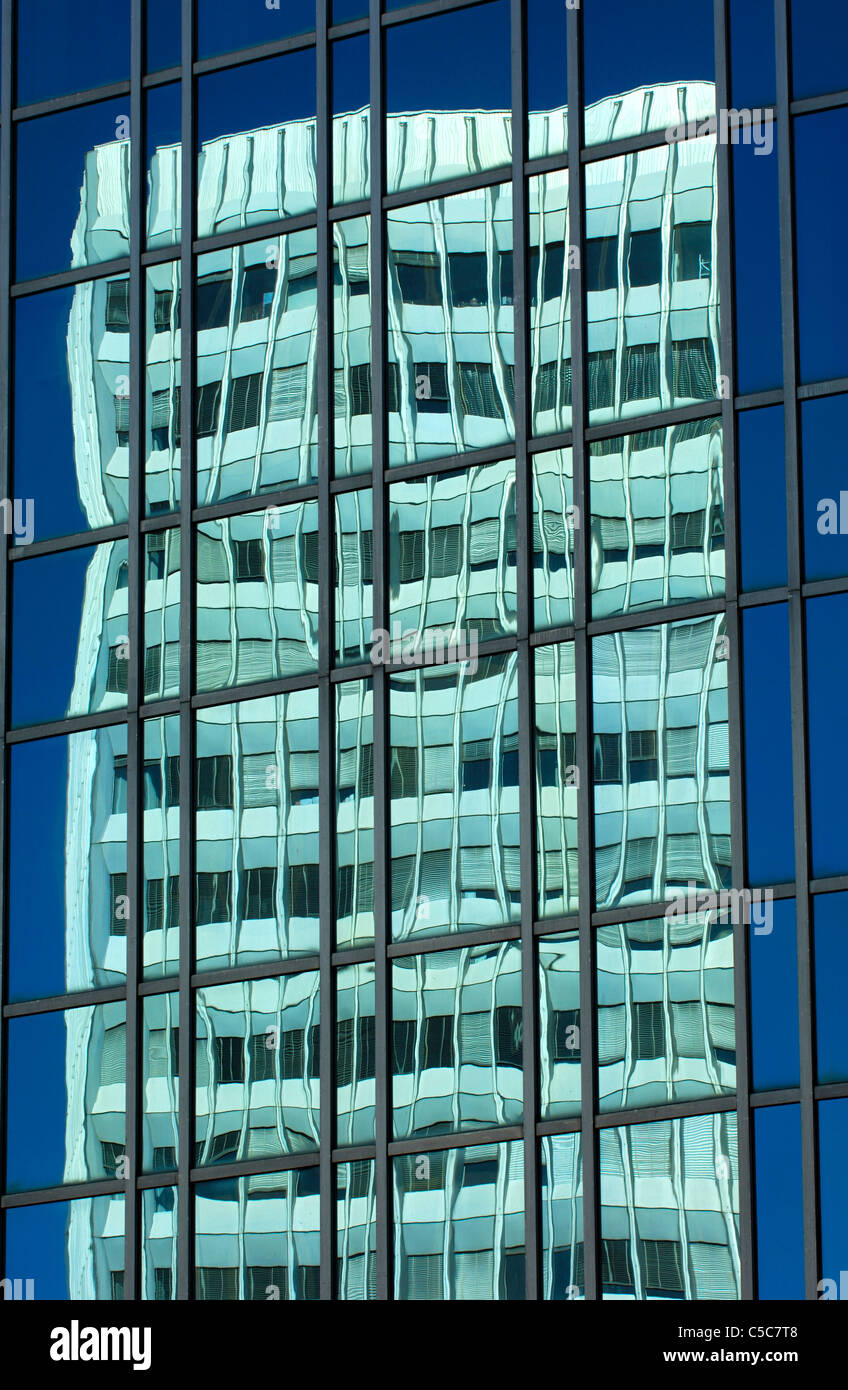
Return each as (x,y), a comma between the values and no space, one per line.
(660,769)
(669,1222)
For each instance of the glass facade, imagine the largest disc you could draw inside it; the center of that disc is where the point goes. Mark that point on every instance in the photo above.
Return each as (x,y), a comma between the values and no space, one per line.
(423,587)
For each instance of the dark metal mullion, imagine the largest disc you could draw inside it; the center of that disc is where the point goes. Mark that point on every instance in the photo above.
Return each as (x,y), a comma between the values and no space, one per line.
(326,694)
(794,529)
(583,668)
(6,160)
(135,628)
(188,487)
(741,986)
(524,581)
(381,726)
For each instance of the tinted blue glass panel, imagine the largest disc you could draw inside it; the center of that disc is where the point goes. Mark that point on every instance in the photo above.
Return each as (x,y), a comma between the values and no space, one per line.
(752,68)
(762,497)
(69,933)
(40,1239)
(755,217)
(833,1142)
(546,77)
(350,120)
(60,177)
(824,425)
(768,745)
(50,475)
(636,46)
(163,34)
(819,47)
(69,634)
(61,51)
(239,112)
(223,26)
(343,10)
(780,1212)
(67,1083)
(827,675)
(456,62)
(821,213)
(162,143)
(830,918)
(774,997)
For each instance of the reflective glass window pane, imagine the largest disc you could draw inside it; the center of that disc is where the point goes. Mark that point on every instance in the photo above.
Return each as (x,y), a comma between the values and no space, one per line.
(164,34)
(70,1250)
(666,1026)
(356,1231)
(68,852)
(257,1238)
(833,1139)
(631,53)
(762,496)
(828,753)
(559,1031)
(351,121)
(555,520)
(58,54)
(562,1217)
(257,578)
(161,850)
(557,779)
(780,1213)
(354,608)
(824,424)
(256,408)
(768,745)
(661,780)
(773,973)
(72,352)
(454,798)
(670,1209)
(651,280)
(546,78)
(829,916)
(459,1224)
(448,96)
(159,1206)
(657,517)
(66,1106)
(73,189)
(256,142)
(753,80)
(257,1090)
(354,900)
(821,212)
(223,27)
(160,1058)
(162,388)
(164,153)
(256,821)
(452,562)
(456,1040)
(819,45)
(352,346)
(451,369)
(341,11)
(550,303)
(355,1054)
(85,665)
(162,614)
(758,312)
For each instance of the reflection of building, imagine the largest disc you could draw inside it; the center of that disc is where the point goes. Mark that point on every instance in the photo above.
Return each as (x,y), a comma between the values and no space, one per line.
(660,744)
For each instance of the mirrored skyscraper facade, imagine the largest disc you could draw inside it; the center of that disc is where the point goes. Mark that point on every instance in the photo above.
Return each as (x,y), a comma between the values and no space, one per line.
(424,869)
